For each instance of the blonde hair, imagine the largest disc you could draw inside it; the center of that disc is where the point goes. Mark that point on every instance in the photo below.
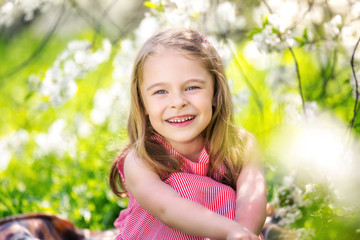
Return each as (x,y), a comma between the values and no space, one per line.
(225,143)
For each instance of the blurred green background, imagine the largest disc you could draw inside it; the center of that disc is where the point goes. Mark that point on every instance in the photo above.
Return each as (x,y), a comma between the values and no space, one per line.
(64,73)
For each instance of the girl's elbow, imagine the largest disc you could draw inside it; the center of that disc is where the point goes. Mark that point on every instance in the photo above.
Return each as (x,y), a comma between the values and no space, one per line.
(162,212)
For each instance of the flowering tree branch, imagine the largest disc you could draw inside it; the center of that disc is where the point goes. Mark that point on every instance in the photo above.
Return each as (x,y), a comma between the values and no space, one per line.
(356,86)
(103,16)
(268,7)
(37,51)
(299,79)
(248,83)
(330,75)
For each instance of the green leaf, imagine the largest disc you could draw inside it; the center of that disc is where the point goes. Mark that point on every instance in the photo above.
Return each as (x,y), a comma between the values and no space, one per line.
(254,31)
(305,35)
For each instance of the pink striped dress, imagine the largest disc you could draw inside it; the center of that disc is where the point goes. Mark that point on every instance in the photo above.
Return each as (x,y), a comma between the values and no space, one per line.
(193,184)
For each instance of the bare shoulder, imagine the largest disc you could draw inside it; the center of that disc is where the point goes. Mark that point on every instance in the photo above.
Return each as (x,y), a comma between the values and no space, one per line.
(135,170)
(142,182)
(131,157)
(133,163)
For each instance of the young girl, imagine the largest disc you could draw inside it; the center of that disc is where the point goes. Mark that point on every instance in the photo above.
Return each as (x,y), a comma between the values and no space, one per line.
(188,171)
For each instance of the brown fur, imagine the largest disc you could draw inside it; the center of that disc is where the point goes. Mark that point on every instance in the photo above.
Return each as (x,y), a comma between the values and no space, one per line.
(38,226)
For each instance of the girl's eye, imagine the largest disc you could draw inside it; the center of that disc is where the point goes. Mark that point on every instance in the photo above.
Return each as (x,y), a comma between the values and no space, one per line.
(160,92)
(192,88)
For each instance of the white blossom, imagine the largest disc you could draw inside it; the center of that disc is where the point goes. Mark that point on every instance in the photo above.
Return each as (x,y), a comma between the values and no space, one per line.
(12,144)
(355,10)
(102,106)
(338,6)
(349,35)
(317,149)
(56,141)
(305,233)
(240,100)
(225,16)
(332,28)
(7,14)
(292,214)
(312,110)
(148,26)
(259,59)
(11,9)
(290,199)
(5,155)
(111,105)
(280,78)
(288,215)
(289,180)
(316,15)
(83,127)
(277,22)
(124,60)
(310,188)
(268,41)
(199,6)
(292,105)
(59,84)
(33,83)
(176,17)
(29,7)
(288,11)
(85,213)
(180,13)
(224,49)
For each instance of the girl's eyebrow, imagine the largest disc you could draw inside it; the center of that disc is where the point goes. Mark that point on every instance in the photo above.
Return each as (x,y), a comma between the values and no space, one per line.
(155,85)
(198,80)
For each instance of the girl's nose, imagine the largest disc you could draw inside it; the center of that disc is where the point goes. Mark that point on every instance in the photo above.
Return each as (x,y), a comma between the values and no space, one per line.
(178,101)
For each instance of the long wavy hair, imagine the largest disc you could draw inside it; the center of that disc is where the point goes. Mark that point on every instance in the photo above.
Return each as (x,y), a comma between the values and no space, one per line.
(226,144)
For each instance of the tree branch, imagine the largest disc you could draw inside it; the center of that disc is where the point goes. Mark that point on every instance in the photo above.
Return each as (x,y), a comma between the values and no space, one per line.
(355,111)
(103,15)
(299,79)
(37,51)
(267,6)
(248,83)
(329,76)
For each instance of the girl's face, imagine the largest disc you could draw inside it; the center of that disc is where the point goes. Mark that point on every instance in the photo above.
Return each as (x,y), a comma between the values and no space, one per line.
(178,95)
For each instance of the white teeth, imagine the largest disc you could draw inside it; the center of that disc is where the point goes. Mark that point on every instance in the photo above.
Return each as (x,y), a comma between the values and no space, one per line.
(181,120)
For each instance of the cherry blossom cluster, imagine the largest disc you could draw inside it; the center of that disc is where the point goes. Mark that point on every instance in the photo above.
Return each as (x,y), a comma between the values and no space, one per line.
(59,83)
(12,9)
(12,144)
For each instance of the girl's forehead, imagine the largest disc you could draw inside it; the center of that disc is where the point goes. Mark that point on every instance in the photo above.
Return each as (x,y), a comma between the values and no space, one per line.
(163,52)
(166,59)
(164,49)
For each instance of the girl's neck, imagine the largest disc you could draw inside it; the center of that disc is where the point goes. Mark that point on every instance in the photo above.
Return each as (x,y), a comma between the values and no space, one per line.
(191,150)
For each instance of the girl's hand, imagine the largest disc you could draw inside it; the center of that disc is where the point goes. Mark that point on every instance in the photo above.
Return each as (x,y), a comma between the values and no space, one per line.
(242,234)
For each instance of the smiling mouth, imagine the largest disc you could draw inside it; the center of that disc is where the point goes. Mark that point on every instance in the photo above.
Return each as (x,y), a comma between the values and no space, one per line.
(180,120)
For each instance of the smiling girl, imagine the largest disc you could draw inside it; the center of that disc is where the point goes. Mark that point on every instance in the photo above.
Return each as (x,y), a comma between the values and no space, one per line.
(188,171)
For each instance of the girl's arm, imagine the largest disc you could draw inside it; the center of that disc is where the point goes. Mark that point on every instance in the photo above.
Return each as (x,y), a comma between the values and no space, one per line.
(164,203)
(251,197)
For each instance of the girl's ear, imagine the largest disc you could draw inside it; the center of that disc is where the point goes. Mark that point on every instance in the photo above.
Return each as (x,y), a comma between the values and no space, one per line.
(214,102)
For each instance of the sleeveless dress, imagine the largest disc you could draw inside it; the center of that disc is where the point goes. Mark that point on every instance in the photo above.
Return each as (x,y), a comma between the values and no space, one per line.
(193,184)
